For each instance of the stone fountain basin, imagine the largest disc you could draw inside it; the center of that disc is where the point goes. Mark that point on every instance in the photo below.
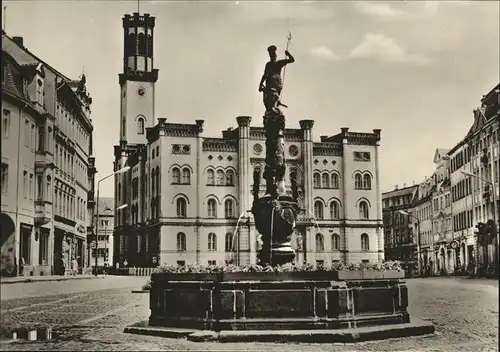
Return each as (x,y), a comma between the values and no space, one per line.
(319,306)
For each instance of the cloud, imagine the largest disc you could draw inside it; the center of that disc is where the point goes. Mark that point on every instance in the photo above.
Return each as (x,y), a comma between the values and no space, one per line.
(325,53)
(385,49)
(381,10)
(384,11)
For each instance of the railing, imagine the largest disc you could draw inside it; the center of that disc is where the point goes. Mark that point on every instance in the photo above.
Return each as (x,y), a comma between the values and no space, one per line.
(139,271)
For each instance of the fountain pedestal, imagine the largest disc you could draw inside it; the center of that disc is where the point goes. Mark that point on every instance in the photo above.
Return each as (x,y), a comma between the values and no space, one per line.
(275,221)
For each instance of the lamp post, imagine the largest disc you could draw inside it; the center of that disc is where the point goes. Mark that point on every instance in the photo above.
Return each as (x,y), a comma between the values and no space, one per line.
(122,170)
(418,238)
(107,212)
(493,193)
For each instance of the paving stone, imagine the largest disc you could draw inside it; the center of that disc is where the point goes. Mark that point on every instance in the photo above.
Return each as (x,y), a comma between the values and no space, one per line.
(465,313)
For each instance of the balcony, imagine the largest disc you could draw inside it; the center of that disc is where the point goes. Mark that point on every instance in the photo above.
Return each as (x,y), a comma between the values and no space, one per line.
(43,160)
(43,212)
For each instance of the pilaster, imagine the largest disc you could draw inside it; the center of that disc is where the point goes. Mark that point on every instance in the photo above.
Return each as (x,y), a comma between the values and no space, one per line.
(378,230)
(199,151)
(345,186)
(245,240)
(307,146)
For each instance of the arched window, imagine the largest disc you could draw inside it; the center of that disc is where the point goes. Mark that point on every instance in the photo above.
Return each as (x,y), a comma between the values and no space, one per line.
(229,209)
(212,242)
(367,181)
(181,208)
(365,242)
(186,176)
(150,44)
(220,177)
(210,178)
(229,242)
(358,182)
(318,209)
(153,208)
(334,210)
(176,176)
(229,178)
(363,210)
(316,180)
(320,242)
(212,208)
(153,181)
(294,176)
(325,181)
(141,38)
(140,125)
(181,241)
(157,179)
(130,47)
(335,242)
(335,181)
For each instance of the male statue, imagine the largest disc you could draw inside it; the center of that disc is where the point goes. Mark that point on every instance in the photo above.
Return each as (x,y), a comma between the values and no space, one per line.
(272,77)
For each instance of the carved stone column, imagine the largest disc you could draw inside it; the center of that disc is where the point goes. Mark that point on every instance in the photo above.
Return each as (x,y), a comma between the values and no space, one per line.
(245,242)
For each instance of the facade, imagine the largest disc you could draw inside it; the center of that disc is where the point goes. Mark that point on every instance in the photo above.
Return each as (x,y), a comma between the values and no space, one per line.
(399,236)
(47,170)
(105,218)
(188,196)
(421,219)
(442,234)
(459,205)
(473,197)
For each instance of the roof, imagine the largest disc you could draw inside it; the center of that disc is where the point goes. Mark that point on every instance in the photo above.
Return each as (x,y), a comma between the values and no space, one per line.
(106,206)
(399,192)
(13,84)
(23,56)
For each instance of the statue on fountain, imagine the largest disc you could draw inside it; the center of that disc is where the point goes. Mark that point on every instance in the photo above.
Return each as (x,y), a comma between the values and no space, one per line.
(275,213)
(274,83)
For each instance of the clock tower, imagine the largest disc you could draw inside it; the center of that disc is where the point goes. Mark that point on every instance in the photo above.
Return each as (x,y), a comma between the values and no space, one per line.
(137,82)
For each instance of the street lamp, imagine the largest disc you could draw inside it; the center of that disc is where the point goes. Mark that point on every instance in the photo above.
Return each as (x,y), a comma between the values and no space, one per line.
(493,193)
(402,212)
(121,171)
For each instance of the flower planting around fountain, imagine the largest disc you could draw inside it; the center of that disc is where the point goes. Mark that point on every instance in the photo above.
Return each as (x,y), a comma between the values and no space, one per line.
(344,303)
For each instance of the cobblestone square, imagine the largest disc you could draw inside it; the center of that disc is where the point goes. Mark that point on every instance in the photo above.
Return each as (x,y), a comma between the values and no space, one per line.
(464,311)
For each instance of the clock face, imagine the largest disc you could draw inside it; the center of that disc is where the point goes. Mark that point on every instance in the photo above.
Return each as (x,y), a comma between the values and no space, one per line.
(141,91)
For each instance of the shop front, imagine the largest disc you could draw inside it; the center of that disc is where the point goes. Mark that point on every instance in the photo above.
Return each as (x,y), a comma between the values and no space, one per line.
(8,263)
(67,247)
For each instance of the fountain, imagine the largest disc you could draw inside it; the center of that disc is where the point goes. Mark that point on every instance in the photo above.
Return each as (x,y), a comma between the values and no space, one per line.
(274,304)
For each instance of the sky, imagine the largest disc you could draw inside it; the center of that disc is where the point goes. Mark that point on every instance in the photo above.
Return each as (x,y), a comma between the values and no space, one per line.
(414,69)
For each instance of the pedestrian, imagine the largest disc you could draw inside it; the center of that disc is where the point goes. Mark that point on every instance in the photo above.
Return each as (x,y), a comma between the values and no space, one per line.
(74,266)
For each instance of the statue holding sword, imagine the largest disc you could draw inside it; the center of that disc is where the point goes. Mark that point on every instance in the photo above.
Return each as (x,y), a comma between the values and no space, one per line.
(272,78)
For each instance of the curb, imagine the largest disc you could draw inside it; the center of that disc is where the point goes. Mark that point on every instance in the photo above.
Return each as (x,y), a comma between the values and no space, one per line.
(417,328)
(139,291)
(30,281)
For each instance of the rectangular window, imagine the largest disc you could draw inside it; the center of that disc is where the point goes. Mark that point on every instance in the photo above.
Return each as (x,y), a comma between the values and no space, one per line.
(32,137)
(5,123)
(5,178)
(39,188)
(181,262)
(31,186)
(212,262)
(25,184)
(44,249)
(26,132)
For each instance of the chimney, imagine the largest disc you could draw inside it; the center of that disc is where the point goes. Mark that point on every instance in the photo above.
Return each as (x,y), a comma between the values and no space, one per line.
(404,185)
(19,41)
(396,187)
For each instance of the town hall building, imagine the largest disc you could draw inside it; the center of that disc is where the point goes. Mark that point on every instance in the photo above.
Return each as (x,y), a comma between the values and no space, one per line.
(188,195)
